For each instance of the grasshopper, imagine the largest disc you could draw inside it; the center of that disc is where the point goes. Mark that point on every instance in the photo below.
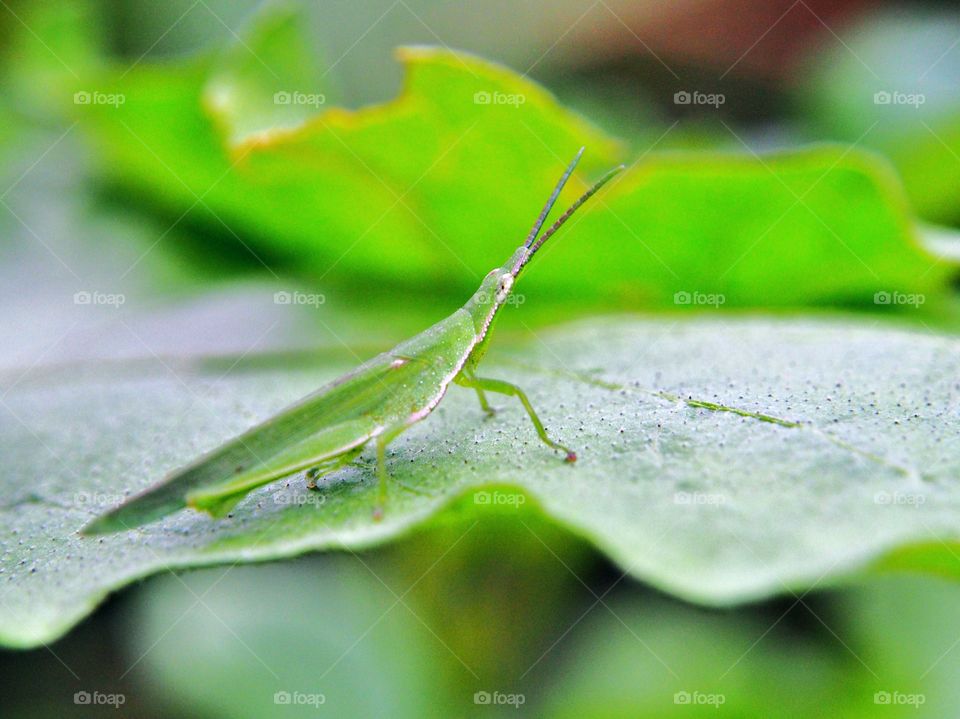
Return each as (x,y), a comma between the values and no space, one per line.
(377,401)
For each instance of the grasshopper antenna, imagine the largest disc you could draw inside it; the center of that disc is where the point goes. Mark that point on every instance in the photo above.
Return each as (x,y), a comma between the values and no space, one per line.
(553,198)
(566,215)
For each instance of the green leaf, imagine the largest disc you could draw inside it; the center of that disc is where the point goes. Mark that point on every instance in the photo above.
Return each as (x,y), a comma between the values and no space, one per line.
(720,461)
(318,636)
(243,92)
(818,226)
(376,633)
(53,52)
(433,188)
(650,657)
(887,639)
(391,191)
(783,487)
(890,85)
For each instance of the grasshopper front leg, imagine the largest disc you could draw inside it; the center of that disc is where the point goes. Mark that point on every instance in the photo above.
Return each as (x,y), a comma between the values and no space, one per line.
(481,395)
(383,440)
(481,384)
(484,404)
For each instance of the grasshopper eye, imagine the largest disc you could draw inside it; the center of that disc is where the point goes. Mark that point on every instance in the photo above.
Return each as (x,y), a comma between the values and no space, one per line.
(506,282)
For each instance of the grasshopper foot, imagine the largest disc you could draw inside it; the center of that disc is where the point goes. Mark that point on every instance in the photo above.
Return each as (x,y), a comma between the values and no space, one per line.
(312,474)
(571,457)
(378,513)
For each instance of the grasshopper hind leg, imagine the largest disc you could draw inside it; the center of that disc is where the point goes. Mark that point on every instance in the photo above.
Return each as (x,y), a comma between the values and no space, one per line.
(331,465)
(382,476)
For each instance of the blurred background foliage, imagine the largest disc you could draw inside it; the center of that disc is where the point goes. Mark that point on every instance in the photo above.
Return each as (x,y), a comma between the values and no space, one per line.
(195,188)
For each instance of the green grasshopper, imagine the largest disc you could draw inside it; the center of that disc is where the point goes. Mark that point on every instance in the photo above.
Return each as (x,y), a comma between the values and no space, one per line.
(377,401)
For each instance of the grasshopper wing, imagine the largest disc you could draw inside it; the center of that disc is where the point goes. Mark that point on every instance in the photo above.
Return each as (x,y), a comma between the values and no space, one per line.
(333,421)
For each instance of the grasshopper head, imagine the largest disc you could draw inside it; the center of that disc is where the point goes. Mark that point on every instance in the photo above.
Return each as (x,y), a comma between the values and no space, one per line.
(490,297)
(498,283)
(494,289)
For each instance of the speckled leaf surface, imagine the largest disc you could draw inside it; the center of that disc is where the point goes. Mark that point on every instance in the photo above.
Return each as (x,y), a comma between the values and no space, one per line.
(842,449)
